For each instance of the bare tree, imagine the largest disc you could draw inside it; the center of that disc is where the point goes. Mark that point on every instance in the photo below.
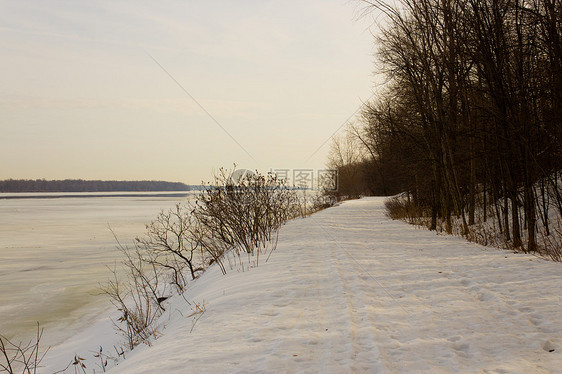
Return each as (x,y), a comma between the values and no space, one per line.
(474,91)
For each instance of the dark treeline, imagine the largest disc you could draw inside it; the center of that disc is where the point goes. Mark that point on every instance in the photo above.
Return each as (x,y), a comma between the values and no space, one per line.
(471,114)
(79,185)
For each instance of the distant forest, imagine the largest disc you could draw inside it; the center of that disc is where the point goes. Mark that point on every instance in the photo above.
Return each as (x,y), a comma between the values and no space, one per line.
(79,185)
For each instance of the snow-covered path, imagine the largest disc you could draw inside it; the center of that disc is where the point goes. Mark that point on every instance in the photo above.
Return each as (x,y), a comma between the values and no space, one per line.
(349,290)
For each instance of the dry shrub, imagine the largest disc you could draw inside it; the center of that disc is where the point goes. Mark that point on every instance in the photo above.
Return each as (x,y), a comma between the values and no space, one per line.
(137,295)
(399,207)
(232,223)
(551,245)
(173,243)
(243,216)
(21,357)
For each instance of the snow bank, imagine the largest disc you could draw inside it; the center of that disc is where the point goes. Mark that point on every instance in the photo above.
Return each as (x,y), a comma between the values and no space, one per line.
(349,290)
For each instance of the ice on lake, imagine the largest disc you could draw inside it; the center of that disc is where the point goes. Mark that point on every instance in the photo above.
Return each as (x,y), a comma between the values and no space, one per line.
(54,254)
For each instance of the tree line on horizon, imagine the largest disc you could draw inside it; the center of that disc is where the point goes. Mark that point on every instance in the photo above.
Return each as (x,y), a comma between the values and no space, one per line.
(470,116)
(80,185)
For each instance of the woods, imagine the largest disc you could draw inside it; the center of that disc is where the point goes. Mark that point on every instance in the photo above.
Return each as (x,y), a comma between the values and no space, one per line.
(469,125)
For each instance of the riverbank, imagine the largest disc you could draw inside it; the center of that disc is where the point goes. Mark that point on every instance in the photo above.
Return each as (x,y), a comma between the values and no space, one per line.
(349,290)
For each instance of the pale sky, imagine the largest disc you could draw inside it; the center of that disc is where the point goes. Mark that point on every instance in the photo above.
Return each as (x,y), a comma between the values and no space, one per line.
(81,97)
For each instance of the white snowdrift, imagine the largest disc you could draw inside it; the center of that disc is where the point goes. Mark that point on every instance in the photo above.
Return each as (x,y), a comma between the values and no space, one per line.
(349,290)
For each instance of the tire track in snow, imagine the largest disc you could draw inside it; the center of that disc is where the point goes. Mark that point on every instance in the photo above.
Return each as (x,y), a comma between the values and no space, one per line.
(449,320)
(364,355)
(302,315)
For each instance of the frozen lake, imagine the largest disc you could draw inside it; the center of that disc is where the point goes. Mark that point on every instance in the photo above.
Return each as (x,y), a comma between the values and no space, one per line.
(54,253)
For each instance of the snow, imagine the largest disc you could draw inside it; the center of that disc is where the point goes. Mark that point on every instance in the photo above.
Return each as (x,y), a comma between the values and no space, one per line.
(349,290)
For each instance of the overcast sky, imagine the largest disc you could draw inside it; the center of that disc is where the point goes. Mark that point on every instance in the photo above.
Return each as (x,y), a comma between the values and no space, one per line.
(86,92)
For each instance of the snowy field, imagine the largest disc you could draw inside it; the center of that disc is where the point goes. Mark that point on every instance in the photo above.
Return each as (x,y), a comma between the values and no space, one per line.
(349,290)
